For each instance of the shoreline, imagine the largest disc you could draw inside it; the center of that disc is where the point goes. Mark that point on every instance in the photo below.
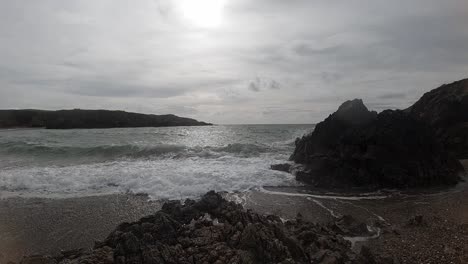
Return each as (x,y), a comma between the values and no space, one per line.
(53,225)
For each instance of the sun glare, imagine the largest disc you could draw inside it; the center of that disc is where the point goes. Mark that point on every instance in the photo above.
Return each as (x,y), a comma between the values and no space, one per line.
(203,13)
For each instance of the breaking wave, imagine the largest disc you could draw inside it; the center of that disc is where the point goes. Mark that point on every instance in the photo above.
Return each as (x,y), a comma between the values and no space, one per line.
(130,151)
(175,162)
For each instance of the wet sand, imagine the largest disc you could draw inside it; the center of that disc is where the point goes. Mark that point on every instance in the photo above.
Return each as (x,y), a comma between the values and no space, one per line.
(46,226)
(30,226)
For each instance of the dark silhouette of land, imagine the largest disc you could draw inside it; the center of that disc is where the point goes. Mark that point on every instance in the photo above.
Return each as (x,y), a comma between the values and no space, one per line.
(78,118)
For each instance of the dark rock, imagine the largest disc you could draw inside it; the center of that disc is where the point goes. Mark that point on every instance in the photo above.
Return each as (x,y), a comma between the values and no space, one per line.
(417,220)
(213,230)
(326,133)
(74,253)
(354,112)
(349,226)
(446,110)
(363,149)
(286,167)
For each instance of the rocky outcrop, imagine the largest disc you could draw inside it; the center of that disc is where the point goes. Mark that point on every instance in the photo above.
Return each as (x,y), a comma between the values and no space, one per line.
(78,118)
(326,135)
(213,230)
(446,110)
(355,147)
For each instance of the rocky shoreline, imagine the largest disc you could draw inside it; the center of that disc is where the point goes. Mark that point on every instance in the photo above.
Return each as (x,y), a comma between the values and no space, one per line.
(413,148)
(416,226)
(422,226)
(213,230)
(355,147)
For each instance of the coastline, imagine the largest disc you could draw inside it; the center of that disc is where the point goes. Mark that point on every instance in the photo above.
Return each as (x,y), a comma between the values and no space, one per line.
(53,225)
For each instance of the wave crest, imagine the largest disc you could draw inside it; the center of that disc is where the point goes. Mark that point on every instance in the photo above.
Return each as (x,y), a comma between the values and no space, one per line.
(130,151)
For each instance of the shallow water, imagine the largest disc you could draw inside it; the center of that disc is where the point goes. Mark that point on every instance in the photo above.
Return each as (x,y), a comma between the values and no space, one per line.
(167,162)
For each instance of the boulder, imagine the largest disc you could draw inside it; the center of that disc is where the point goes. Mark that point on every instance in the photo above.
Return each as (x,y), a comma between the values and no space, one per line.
(355,147)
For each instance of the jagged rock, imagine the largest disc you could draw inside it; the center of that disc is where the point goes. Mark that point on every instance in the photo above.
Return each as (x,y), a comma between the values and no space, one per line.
(213,230)
(365,149)
(285,167)
(446,110)
(327,133)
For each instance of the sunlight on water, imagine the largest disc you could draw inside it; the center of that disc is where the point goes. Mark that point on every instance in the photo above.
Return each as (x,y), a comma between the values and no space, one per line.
(172,162)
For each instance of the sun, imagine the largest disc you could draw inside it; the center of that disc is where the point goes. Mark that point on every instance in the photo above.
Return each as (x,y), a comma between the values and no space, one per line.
(203,13)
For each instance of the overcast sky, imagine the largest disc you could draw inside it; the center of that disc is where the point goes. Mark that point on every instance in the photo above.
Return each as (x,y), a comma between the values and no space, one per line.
(228,61)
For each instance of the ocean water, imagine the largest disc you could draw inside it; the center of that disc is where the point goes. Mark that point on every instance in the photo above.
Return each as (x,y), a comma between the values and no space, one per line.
(168,162)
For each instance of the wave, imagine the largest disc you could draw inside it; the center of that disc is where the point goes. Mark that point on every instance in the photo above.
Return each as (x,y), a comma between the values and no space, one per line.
(243,148)
(160,179)
(130,151)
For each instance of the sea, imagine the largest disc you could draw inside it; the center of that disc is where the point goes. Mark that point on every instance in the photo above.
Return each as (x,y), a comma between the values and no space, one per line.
(163,162)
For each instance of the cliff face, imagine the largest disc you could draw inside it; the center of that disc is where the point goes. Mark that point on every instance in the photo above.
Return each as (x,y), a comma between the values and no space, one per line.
(66,119)
(446,110)
(356,147)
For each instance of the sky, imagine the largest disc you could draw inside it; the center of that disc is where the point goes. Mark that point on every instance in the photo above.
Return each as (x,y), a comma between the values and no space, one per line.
(228,61)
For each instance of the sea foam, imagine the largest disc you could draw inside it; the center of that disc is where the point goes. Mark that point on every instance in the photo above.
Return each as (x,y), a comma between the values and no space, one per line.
(175,163)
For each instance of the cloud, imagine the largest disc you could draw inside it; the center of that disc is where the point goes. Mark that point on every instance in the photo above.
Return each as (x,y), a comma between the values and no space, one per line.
(258,84)
(307,50)
(274,85)
(330,77)
(254,86)
(393,96)
(311,54)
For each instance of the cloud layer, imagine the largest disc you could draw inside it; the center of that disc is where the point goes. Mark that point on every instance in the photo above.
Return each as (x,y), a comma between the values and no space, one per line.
(269,61)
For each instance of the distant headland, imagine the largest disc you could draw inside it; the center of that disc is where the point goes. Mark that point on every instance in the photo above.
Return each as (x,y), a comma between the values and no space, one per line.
(79,118)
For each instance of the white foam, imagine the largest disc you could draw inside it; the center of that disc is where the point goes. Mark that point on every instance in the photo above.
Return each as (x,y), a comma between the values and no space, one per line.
(167,178)
(367,210)
(332,213)
(357,239)
(333,197)
(239,197)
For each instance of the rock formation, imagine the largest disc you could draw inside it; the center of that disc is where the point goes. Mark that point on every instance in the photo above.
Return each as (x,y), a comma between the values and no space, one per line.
(355,147)
(446,110)
(213,230)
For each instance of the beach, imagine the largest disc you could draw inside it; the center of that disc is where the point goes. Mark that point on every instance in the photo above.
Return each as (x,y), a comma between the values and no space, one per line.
(32,226)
